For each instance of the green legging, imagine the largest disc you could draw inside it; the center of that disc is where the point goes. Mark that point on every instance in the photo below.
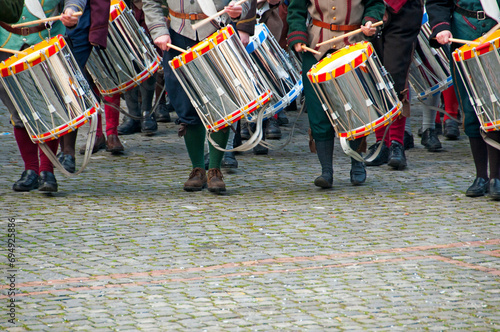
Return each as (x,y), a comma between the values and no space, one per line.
(195,144)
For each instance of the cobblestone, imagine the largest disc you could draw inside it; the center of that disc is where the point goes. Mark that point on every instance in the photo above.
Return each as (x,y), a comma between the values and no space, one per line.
(122,247)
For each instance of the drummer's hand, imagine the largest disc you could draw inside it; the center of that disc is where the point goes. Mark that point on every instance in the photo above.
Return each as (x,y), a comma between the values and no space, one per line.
(367,29)
(68,19)
(444,37)
(162,42)
(298,47)
(245,37)
(233,11)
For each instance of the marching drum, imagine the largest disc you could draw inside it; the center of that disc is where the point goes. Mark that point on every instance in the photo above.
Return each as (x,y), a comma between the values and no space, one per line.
(221,80)
(48,90)
(356,91)
(479,67)
(129,57)
(280,70)
(430,67)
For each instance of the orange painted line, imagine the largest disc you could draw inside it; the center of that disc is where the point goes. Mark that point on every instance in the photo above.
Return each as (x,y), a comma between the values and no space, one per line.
(466,265)
(255,263)
(494,253)
(228,275)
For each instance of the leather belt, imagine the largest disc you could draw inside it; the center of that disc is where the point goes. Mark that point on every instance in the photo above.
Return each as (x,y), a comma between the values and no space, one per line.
(480,14)
(24,31)
(184,16)
(335,27)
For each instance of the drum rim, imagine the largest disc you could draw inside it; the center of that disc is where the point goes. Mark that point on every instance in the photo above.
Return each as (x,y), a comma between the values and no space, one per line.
(467,52)
(202,47)
(47,48)
(116,9)
(316,77)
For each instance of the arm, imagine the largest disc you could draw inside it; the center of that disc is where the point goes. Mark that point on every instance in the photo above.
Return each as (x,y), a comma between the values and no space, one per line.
(155,19)
(246,25)
(71,7)
(11,11)
(297,29)
(374,12)
(439,12)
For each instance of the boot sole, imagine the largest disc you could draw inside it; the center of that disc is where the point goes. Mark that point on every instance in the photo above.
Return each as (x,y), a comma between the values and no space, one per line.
(217,190)
(397,166)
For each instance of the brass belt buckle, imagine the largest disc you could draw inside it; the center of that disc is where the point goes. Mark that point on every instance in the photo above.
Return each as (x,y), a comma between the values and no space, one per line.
(481,15)
(25,31)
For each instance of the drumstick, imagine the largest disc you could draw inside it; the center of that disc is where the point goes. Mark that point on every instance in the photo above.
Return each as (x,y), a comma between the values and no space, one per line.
(487,35)
(12,51)
(44,20)
(177,48)
(463,41)
(208,19)
(305,48)
(333,40)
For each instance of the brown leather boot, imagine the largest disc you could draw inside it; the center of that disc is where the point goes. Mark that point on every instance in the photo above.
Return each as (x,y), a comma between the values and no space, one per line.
(114,145)
(197,180)
(99,143)
(215,182)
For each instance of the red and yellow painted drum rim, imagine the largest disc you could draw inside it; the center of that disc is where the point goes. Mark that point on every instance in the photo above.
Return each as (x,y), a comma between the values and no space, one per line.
(383,121)
(202,47)
(317,74)
(467,52)
(67,127)
(35,55)
(116,9)
(240,113)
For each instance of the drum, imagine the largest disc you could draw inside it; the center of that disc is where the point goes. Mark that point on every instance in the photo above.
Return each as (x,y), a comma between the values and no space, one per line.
(479,67)
(221,80)
(280,70)
(48,90)
(129,57)
(430,67)
(355,90)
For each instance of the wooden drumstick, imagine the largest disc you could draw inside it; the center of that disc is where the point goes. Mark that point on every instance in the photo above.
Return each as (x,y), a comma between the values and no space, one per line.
(12,51)
(488,34)
(208,19)
(177,48)
(463,41)
(44,20)
(305,48)
(354,32)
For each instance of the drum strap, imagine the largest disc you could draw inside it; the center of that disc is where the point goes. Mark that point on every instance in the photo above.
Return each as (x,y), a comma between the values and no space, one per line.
(184,16)
(480,14)
(335,27)
(25,31)
(489,141)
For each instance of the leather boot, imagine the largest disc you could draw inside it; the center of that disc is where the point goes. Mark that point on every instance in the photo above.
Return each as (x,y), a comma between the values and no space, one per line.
(197,180)
(99,143)
(358,171)
(397,158)
(47,182)
(215,181)
(148,123)
(27,182)
(324,149)
(272,129)
(131,126)
(162,114)
(229,160)
(114,145)
(430,140)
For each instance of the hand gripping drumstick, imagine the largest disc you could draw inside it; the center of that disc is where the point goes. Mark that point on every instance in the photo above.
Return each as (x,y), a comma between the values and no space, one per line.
(44,20)
(355,32)
(305,48)
(208,19)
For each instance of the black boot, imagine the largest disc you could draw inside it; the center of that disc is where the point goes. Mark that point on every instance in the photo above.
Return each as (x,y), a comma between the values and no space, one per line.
(148,123)
(324,149)
(397,158)
(430,140)
(272,129)
(47,182)
(229,160)
(131,126)
(358,171)
(27,182)
(162,114)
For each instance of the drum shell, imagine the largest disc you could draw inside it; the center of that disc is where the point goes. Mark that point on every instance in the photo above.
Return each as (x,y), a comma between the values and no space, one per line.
(129,57)
(479,68)
(48,90)
(221,80)
(357,92)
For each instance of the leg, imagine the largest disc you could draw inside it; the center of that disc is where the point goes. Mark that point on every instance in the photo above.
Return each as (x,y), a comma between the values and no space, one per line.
(112,115)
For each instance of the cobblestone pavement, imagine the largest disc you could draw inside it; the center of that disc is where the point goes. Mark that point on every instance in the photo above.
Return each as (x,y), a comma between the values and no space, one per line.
(123,247)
